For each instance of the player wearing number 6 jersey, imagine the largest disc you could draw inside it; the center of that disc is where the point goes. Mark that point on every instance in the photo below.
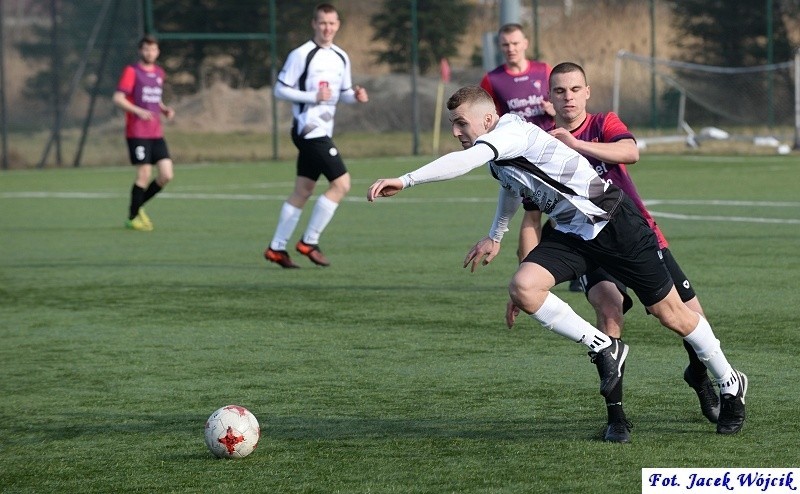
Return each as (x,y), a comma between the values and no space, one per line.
(139,93)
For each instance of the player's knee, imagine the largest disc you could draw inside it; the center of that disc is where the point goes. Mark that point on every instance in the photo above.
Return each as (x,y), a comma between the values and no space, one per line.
(338,190)
(299,198)
(164,178)
(341,185)
(165,172)
(523,292)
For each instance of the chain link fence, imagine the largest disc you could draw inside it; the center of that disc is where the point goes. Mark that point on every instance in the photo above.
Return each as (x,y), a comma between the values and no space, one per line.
(61,60)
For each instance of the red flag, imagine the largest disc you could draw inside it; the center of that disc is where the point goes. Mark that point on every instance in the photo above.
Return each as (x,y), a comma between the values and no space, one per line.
(444,67)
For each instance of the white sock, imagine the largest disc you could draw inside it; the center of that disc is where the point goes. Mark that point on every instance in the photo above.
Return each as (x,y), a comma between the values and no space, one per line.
(729,384)
(287,222)
(320,217)
(710,353)
(558,317)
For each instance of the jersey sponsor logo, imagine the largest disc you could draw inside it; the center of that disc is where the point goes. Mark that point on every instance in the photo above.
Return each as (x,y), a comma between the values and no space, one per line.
(546,203)
(151,94)
(532,100)
(546,200)
(527,113)
(601,169)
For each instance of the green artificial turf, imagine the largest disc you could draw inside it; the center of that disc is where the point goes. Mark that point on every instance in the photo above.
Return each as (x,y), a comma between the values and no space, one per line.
(391,371)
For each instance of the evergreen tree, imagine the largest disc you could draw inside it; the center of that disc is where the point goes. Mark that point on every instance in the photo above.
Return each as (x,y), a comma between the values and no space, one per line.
(75,19)
(440,25)
(183,59)
(731,33)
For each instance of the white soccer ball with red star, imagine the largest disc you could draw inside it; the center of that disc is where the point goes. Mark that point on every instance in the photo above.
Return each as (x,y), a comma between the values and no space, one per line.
(232,432)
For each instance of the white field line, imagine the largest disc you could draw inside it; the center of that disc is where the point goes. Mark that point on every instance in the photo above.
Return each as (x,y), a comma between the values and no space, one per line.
(735,219)
(449,200)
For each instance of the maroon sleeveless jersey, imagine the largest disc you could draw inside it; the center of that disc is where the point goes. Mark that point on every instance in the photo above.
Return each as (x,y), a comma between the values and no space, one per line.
(521,94)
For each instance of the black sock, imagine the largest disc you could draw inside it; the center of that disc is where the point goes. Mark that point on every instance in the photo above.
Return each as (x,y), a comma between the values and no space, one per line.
(152,190)
(614,402)
(696,367)
(615,412)
(137,199)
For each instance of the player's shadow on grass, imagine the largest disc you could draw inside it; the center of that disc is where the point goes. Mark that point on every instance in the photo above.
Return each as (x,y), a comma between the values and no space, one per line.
(521,429)
(77,425)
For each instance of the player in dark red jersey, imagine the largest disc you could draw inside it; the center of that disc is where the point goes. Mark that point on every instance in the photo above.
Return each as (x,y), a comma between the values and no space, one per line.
(605,141)
(139,93)
(593,224)
(519,85)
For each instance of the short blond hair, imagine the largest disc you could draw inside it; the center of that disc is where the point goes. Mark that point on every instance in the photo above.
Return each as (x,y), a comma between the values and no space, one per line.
(469,95)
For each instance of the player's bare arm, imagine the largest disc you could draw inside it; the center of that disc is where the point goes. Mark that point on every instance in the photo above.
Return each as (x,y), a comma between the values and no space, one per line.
(122,102)
(167,111)
(623,151)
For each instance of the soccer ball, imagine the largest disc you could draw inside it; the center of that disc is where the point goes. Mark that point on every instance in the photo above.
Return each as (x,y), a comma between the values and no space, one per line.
(232,432)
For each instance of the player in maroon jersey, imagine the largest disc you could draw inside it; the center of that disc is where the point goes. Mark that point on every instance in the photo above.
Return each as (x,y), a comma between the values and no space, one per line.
(519,85)
(592,224)
(605,141)
(139,93)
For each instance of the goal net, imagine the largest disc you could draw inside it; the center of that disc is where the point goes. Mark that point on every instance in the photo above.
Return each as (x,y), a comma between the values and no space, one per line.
(693,102)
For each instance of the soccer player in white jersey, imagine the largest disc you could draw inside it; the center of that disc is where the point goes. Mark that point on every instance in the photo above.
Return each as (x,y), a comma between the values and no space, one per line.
(595,225)
(315,77)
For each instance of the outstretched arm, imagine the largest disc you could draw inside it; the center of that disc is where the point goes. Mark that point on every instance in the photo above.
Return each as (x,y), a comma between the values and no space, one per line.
(449,166)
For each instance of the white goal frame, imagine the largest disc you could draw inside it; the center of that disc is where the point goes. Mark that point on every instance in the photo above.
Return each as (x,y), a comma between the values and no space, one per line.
(685,133)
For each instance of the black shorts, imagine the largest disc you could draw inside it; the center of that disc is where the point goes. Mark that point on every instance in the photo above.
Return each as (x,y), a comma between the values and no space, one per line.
(147,151)
(682,283)
(626,248)
(318,156)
